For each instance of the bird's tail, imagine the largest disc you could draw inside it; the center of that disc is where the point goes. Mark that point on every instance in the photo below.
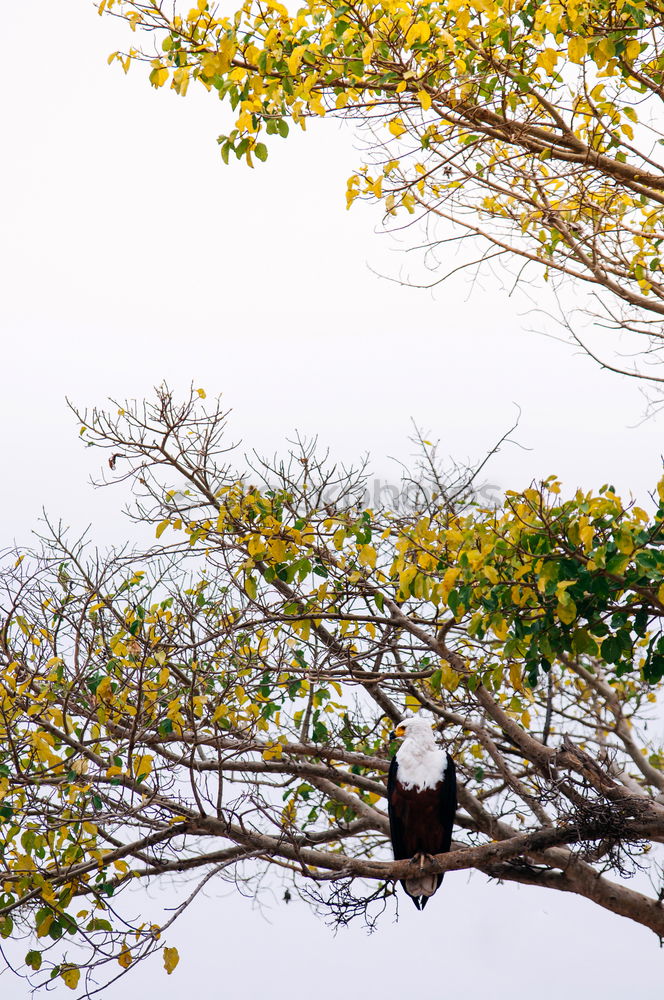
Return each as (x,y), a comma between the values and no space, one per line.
(423,885)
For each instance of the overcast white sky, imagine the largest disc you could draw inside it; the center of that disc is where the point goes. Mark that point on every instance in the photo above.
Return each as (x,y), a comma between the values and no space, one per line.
(131,255)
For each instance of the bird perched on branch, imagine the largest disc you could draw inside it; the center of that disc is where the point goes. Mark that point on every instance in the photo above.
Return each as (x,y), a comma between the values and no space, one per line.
(421,799)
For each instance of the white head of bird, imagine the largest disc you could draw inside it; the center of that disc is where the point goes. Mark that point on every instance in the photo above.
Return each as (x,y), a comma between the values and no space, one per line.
(421,761)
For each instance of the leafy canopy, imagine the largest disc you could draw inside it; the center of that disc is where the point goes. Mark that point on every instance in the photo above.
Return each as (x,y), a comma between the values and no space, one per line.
(534,125)
(221,700)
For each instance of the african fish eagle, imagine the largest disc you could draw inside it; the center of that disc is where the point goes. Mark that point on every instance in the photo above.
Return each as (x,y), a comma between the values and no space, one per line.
(421,802)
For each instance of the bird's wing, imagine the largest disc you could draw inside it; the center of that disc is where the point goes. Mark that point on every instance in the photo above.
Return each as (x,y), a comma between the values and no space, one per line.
(448,803)
(396,822)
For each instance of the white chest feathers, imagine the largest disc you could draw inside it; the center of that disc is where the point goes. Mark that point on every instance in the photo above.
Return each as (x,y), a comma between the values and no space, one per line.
(420,763)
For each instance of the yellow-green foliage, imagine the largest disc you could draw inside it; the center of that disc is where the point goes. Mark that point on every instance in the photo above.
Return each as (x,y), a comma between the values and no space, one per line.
(537,116)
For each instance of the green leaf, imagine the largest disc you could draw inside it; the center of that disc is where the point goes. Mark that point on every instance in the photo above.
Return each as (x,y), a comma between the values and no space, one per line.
(583,642)
(97,924)
(611,649)
(34,960)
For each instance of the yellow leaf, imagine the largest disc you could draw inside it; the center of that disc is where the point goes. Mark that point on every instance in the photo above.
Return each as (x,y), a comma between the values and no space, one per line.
(624,542)
(449,579)
(419,32)
(500,629)
(406,578)
(70,977)
(352,191)
(605,51)
(273,752)
(547,60)
(449,678)
(277,549)
(397,127)
(295,58)
(577,48)
(158,77)
(250,587)
(218,63)
(202,393)
(367,556)
(586,534)
(125,957)
(104,689)
(256,546)
(161,527)
(303,629)
(142,764)
(633,48)
(566,612)
(80,766)
(171,959)
(425,99)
